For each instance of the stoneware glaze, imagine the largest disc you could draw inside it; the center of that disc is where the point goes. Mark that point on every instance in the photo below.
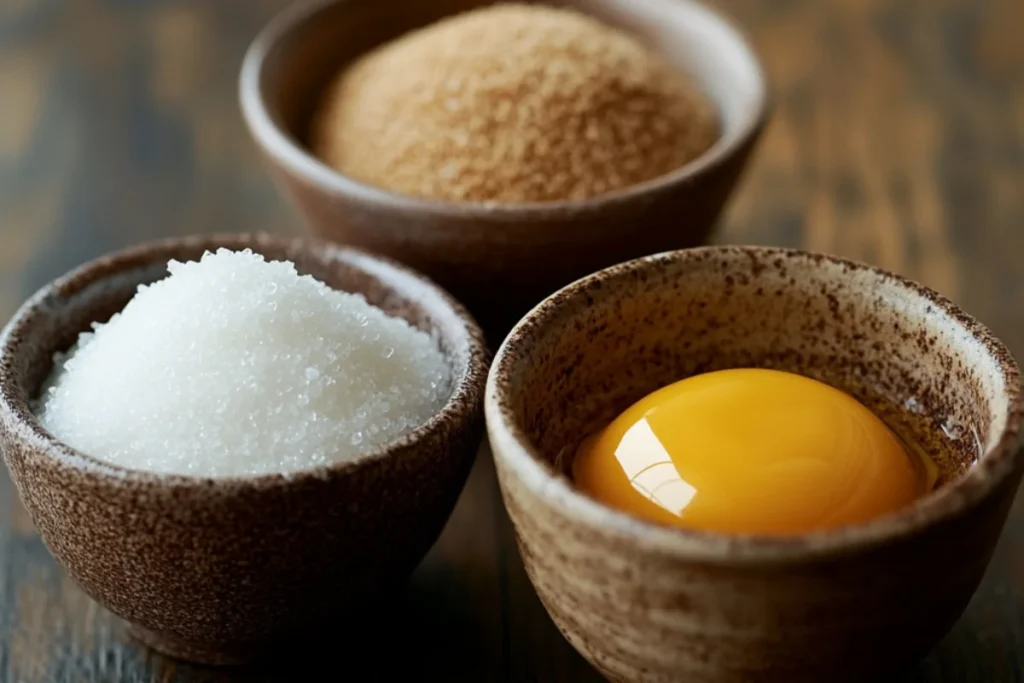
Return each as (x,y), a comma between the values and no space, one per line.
(215,570)
(499,259)
(649,603)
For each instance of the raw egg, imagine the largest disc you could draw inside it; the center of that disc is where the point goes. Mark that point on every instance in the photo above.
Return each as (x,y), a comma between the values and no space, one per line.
(751,451)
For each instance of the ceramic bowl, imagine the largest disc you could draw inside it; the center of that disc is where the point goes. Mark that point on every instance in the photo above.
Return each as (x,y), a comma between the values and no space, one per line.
(499,259)
(644,602)
(216,570)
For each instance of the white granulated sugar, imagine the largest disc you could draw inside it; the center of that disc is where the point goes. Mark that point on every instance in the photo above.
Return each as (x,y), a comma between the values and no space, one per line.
(234,365)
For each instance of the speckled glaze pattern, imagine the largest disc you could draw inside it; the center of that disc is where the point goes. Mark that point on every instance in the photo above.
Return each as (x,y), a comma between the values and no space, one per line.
(646,603)
(215,570)
(499,259)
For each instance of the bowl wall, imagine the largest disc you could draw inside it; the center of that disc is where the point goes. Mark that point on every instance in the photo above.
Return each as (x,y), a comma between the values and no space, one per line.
(216,569)
(499,259)
(650,603)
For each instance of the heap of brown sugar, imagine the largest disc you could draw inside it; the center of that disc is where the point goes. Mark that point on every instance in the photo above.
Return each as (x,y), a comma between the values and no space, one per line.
(511,103)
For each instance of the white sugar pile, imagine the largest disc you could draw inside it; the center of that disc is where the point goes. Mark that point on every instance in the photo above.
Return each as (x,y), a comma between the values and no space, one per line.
(234,365)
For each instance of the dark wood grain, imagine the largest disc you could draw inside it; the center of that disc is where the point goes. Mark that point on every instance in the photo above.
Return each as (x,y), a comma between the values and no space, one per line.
(898,139)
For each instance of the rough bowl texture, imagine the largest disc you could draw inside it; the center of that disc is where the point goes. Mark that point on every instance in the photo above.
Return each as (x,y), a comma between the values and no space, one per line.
(214,570)
(499,259)
(649,603)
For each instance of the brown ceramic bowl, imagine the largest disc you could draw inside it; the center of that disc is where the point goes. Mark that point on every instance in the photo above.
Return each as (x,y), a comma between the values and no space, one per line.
(499,259)
(215,570)
(650,603)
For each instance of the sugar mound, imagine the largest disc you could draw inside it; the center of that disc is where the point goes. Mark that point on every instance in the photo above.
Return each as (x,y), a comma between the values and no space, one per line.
(511,103)
(234,365)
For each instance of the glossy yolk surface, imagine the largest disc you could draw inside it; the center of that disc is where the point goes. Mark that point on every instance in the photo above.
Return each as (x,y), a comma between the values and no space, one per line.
(751,451)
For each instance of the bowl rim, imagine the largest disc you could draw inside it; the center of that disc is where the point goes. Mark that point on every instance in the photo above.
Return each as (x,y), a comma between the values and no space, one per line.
(19,422)
(512,447)
(299,162)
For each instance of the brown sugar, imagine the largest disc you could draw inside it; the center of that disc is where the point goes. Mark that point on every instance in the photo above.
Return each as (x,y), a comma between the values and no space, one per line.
(511,103)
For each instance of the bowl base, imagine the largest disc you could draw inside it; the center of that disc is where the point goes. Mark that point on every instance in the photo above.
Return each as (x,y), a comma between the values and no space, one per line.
(187,650)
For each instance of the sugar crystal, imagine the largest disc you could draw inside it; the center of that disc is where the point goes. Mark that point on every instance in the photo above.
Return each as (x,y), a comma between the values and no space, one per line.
(235,365)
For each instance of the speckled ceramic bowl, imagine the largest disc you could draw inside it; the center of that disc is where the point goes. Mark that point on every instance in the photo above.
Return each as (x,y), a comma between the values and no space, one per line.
(657,604)
(215,570)
(499,259)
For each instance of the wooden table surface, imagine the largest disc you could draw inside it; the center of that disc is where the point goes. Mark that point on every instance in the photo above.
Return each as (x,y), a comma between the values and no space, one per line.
(898,138)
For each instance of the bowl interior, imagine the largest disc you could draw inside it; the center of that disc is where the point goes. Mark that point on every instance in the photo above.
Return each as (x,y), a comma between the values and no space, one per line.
(53,319)
(293,60)
(585,354)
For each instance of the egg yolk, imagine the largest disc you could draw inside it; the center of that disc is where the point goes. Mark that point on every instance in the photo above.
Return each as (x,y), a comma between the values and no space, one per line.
(751,451)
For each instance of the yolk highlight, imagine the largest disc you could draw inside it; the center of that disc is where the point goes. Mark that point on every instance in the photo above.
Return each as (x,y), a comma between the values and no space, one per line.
(751,451)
